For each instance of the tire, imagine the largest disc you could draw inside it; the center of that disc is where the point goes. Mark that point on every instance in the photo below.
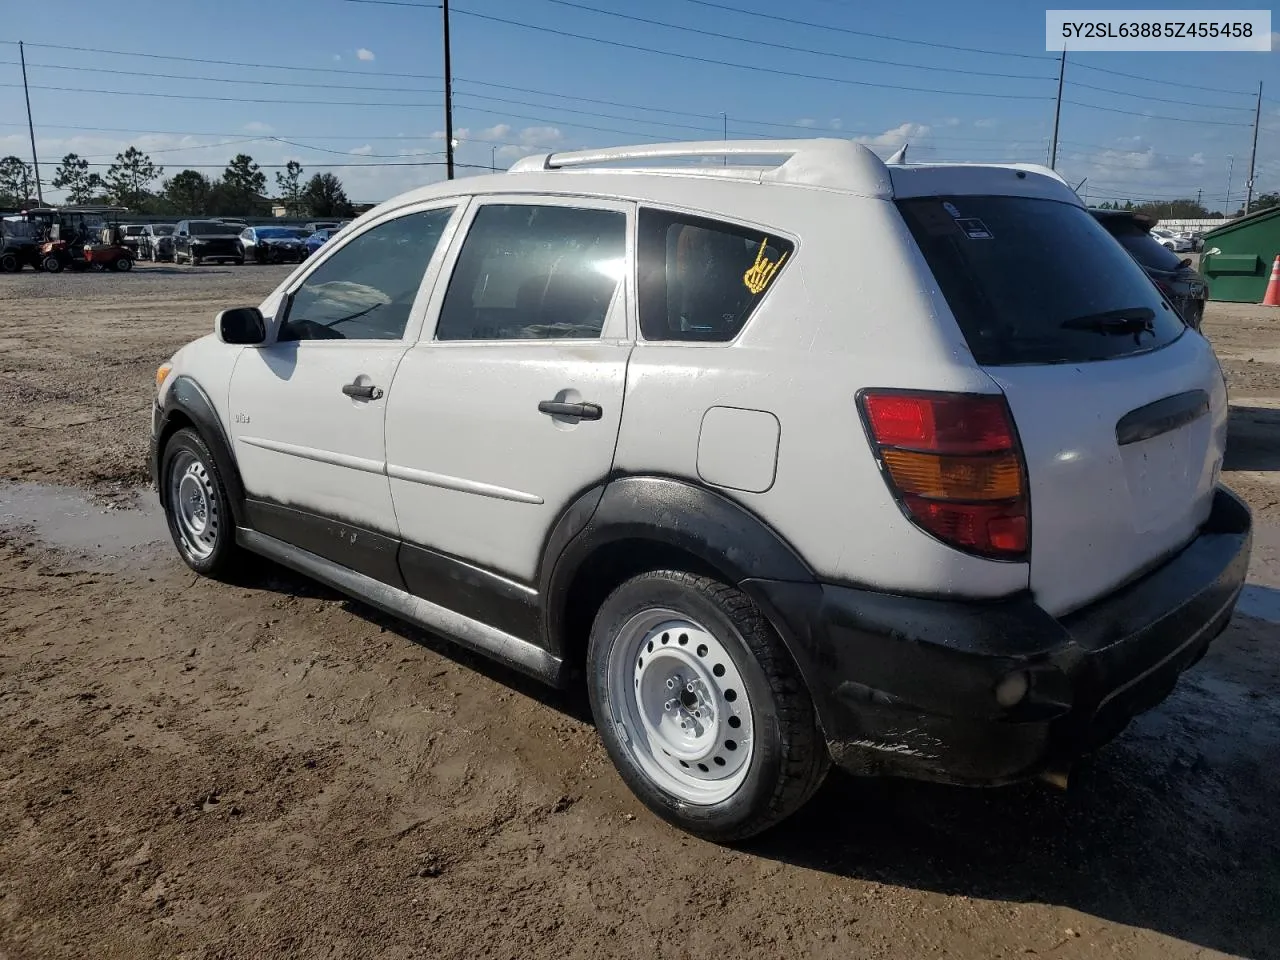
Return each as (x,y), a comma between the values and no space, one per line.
(196,505)
(193,260)
(51,264)
(9,263)
(751,753)
(239,261)
(124,265)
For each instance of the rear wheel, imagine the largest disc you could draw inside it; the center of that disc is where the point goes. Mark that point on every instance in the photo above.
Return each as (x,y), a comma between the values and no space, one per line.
(124,264)
(196,505)
(700,706)
(52,264)
(9,263)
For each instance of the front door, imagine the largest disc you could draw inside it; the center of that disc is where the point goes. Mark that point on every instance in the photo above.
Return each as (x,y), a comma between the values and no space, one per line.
(511,406)
(307,408)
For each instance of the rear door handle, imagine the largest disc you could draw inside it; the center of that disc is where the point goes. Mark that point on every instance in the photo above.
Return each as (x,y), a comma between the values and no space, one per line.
(362,391)
(580,411)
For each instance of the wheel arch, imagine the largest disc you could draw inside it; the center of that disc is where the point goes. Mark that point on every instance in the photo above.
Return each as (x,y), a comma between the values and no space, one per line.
(186,404)
(632,524)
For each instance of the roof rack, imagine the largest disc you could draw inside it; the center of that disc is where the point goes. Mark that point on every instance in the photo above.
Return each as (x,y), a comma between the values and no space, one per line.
(818,162)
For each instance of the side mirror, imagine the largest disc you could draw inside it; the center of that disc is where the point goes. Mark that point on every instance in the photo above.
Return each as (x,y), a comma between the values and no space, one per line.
(1186,262)
(242,325)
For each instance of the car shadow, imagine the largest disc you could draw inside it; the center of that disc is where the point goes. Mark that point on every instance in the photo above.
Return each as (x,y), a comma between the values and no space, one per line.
(1170,828)
(1253,439)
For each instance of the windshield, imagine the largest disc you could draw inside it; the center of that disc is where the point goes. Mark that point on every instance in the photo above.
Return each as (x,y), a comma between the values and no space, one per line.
(1018,299)
(1144,248)
(208,228)
(133,231)
(162,231)
(280,233)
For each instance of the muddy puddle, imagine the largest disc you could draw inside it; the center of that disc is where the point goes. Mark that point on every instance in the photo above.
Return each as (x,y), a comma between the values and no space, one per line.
(63,518)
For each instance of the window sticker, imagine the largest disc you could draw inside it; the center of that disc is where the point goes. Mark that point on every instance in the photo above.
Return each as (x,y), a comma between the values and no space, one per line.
(974,228)
(760,273)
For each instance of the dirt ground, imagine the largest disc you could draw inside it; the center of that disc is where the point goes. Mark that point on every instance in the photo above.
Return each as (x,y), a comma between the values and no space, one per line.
(195,770)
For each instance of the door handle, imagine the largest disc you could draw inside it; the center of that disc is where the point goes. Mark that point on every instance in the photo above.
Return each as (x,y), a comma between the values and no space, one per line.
(581,411)
(362,391)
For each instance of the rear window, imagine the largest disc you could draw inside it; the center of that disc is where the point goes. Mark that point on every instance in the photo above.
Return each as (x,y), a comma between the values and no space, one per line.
(700,279)
(1037,281)
(211,228)
(1144,248)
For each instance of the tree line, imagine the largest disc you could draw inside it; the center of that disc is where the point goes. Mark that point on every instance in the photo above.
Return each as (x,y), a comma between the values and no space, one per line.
(1187,209)
(136,182)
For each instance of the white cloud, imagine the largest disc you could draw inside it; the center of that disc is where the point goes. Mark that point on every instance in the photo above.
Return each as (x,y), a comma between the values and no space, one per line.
(900,134)
(362,151)
(257,126)
(806,122)
(835,123)
(951,122)
(337,57)
(986,123)
(364,54)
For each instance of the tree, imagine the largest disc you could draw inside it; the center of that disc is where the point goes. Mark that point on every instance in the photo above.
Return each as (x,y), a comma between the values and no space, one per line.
(290,185)
(1265,200)
(189,193)
(15,182)
(240,189)
(324,197)
(1173,210)
(130,176)
(74,177)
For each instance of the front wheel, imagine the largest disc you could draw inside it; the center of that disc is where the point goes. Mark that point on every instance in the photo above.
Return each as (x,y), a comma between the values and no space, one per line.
(124,264)
(9,263)
(196,505)
(700,706)
(52,264)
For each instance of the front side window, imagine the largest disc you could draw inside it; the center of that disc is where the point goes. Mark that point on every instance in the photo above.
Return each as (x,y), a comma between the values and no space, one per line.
(366,289)
(701,279)
(529,272)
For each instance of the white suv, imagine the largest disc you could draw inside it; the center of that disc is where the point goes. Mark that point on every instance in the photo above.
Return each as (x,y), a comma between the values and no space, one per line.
(821,460)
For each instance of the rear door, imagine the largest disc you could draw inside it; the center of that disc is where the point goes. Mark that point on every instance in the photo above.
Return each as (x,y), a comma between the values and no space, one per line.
(1121,411)
(511,406)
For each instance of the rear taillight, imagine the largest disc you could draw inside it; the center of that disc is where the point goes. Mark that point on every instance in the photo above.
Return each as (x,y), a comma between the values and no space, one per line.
(953,462)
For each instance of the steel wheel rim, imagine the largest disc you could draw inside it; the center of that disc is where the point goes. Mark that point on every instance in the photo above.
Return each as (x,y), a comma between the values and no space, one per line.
(681,706)
(194,505)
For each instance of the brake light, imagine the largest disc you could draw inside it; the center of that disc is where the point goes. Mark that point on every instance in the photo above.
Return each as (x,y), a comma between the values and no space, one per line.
(954,465)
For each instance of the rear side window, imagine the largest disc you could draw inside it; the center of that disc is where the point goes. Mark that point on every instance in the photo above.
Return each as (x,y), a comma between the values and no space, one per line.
(1037,281)
(701,279)
(1142,246)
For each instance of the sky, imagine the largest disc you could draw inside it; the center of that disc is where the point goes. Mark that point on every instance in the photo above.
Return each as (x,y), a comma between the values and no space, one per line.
(354,87)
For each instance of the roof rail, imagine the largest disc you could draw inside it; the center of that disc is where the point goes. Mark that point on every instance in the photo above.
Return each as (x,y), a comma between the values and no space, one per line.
(817,162)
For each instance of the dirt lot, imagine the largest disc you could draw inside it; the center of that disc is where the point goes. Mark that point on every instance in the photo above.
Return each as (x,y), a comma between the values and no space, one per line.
(195,770)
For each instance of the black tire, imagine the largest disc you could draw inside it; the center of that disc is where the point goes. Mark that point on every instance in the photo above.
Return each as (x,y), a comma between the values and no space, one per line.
(789,759)
(239,261)
(183,447)
(193,260)
(9,263)
(124,264)
(51,264)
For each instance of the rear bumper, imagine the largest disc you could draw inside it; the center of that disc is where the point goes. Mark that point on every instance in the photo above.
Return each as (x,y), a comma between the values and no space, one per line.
(906,686)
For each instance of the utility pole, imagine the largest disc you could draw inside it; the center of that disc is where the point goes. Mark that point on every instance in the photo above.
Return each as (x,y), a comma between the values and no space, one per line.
(1253,157)
(1226,203)
(1057,112)
(725,117)
(493,158)
(35,161)
(1199,190)
(448,97)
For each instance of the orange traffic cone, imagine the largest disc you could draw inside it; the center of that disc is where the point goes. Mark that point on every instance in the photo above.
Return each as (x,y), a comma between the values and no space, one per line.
(1272,298)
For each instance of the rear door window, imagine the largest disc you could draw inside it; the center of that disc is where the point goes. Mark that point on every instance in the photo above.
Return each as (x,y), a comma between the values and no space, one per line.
(701,279)
(1037,281)
(1142,246)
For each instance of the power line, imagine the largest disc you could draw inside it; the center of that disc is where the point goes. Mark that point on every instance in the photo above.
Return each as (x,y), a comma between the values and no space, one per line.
(1155,116)
(1140,96)
(1169,83)
(754,68)
(193,96)
(784,46)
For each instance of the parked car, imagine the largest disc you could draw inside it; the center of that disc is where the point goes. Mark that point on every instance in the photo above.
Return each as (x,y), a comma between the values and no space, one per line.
(196,241)
(1174,275)
(317,239)
(131,237)
(19,244)
(1171,241)
(926,496)
(315,225)
(273,244)
(157,242)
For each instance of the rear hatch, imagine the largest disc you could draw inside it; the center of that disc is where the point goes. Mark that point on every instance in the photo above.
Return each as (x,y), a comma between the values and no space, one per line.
(1120,410)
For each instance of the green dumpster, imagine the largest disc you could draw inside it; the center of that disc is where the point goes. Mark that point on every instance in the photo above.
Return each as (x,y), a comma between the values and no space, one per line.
(1237,257)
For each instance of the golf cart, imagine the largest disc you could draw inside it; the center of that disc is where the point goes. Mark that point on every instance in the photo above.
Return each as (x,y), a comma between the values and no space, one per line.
(19,245)
(82,238)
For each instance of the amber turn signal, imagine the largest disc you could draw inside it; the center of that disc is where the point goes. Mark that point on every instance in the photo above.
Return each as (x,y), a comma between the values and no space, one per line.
(162,374)
(992,477)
